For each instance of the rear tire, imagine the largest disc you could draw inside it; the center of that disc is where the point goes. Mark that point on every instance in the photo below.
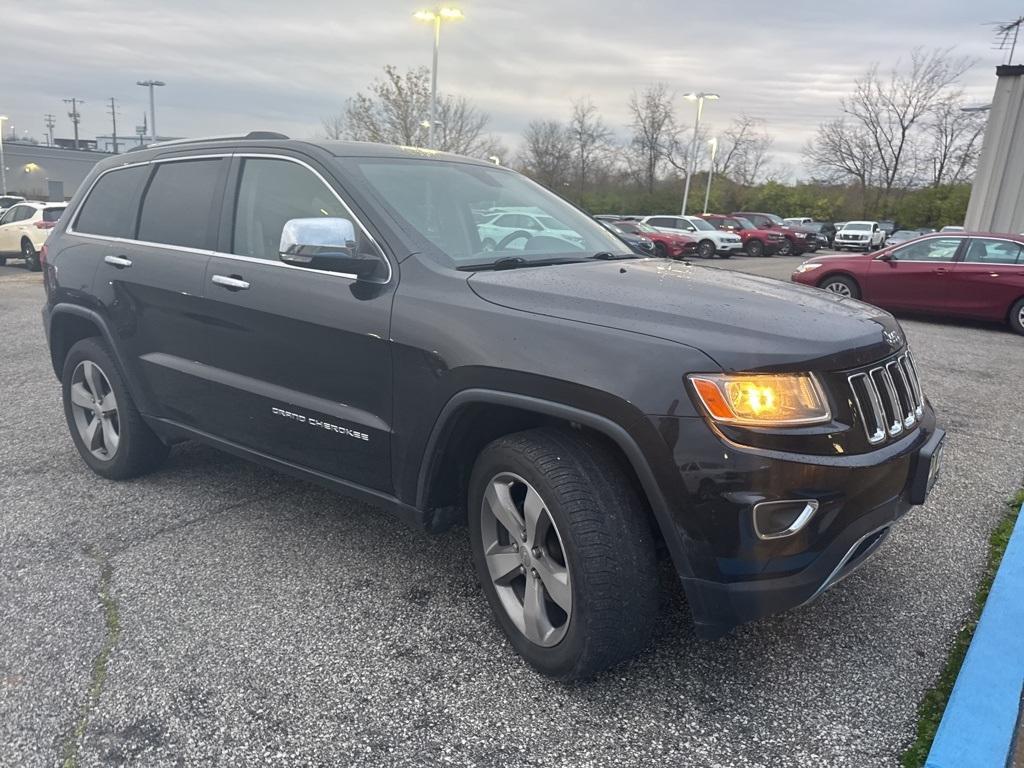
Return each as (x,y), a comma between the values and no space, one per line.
(1017,317)
(754,248)
(30,255)
(3,261)
(100,410)
(590,529)
(841,286)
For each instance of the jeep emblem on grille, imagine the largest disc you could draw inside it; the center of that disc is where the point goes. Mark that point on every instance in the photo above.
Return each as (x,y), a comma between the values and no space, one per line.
(893,338)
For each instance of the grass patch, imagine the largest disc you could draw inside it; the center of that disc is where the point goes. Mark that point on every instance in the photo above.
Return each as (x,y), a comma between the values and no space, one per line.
(929,711)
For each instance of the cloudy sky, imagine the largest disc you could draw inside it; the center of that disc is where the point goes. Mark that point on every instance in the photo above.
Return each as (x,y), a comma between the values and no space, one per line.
(238,65)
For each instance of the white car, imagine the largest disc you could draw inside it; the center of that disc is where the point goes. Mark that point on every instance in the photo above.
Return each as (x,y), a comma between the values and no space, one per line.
(709,239)
(952,228)
(798,221)
(859,236)
(6,201)
(24,228)
(505,231)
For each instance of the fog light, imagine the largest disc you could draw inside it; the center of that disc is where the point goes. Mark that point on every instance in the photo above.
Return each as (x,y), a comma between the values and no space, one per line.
(779,519)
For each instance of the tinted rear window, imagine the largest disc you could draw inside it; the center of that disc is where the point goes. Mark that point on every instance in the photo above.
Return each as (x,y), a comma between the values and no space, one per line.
(112,205)
(52,214)
(178,208)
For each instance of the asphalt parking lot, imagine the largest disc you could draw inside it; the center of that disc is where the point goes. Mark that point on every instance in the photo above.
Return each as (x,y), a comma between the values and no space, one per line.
(217,613)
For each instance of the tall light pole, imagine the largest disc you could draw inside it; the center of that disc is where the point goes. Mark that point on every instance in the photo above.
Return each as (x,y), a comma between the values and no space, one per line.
(435,16)
(711,170)
(151,84)
(3,165)
(692,165)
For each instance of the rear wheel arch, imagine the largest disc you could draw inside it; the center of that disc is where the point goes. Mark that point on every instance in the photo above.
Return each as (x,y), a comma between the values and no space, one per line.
(68,327)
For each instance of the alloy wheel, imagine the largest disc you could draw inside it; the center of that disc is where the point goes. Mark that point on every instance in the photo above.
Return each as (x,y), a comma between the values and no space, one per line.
(706,249)
(839,288)
(94,408)
(526,559)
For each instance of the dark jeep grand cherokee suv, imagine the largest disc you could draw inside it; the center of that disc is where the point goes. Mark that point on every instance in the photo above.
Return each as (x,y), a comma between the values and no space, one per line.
(330,310)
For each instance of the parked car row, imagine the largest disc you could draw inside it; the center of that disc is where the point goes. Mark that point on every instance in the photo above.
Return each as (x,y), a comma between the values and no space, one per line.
(24,228)
(962,274)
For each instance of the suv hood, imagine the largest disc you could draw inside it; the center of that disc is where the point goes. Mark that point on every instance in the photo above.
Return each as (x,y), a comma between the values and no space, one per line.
(743,322)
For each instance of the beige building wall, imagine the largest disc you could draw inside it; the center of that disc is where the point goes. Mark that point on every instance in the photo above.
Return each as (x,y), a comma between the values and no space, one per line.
(997,196)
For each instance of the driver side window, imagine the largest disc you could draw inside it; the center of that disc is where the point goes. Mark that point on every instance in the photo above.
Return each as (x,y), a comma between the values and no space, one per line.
(934,249)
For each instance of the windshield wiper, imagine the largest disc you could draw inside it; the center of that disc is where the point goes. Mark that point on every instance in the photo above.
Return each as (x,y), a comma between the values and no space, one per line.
(514,262)
(609,256)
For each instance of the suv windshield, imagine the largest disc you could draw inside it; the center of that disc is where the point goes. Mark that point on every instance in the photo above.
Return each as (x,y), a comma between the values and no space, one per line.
(700,224)
(435,203)
(858,226)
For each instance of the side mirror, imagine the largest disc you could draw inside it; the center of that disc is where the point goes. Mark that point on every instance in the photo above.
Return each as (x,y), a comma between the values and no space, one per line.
(327,244)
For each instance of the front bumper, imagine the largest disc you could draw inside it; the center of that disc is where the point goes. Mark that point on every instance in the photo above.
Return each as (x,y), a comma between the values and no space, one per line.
(733,575)
(730,247)
(862,244)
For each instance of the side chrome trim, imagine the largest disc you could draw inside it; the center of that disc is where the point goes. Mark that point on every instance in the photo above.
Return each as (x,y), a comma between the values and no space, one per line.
(220,254)
(841,571)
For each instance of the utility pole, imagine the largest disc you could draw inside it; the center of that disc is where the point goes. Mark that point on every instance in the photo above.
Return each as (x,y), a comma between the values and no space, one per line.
(75,115)
(51,122)
(113,117)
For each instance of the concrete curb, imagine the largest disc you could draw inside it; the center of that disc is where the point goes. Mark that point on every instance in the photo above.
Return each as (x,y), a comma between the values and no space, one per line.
(978,725)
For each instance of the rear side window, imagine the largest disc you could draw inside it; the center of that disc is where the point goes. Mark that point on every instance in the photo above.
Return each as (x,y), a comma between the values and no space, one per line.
(52,214)
(993,252)
(180,204)
(113,204)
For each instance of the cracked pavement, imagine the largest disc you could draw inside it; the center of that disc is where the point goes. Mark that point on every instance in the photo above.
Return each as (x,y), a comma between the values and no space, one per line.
(261,620)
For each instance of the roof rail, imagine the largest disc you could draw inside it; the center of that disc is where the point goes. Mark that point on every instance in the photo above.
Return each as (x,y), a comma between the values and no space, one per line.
(251,135)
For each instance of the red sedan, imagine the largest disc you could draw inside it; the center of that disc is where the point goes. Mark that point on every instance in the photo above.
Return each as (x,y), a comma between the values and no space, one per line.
(672,245)
(967,274)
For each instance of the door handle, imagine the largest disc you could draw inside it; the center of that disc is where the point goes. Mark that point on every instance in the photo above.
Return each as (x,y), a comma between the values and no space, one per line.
(231,283)
(118,261)
(941,271)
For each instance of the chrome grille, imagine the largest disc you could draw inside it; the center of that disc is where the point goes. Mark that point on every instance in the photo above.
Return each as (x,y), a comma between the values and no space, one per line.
(888,398)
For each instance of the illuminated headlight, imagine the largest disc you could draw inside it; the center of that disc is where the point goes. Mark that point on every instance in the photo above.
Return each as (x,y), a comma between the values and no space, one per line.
(762,399)
(807,266)
(800,234)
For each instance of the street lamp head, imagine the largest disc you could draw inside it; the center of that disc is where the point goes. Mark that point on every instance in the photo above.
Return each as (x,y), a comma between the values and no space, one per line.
(148,83)
(442,14)
(701,95)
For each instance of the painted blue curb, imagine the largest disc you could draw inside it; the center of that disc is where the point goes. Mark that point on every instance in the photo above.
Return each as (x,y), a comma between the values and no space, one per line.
(981,716)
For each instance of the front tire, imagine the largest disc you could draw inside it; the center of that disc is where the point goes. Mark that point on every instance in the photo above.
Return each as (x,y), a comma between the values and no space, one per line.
(754,248)
(706,249)
(1017,317)
(841,286)
(30,255)
(660,250)
(786,248)
(106,427)
(564,551)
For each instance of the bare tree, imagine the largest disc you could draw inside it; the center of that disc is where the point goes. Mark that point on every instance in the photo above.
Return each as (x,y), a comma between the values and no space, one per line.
(883,138)
(743,150)
(842,151)
(888,110)
(395,110)
(546,153)
(955,141)
(333,127)
(655,140)
(591,141)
